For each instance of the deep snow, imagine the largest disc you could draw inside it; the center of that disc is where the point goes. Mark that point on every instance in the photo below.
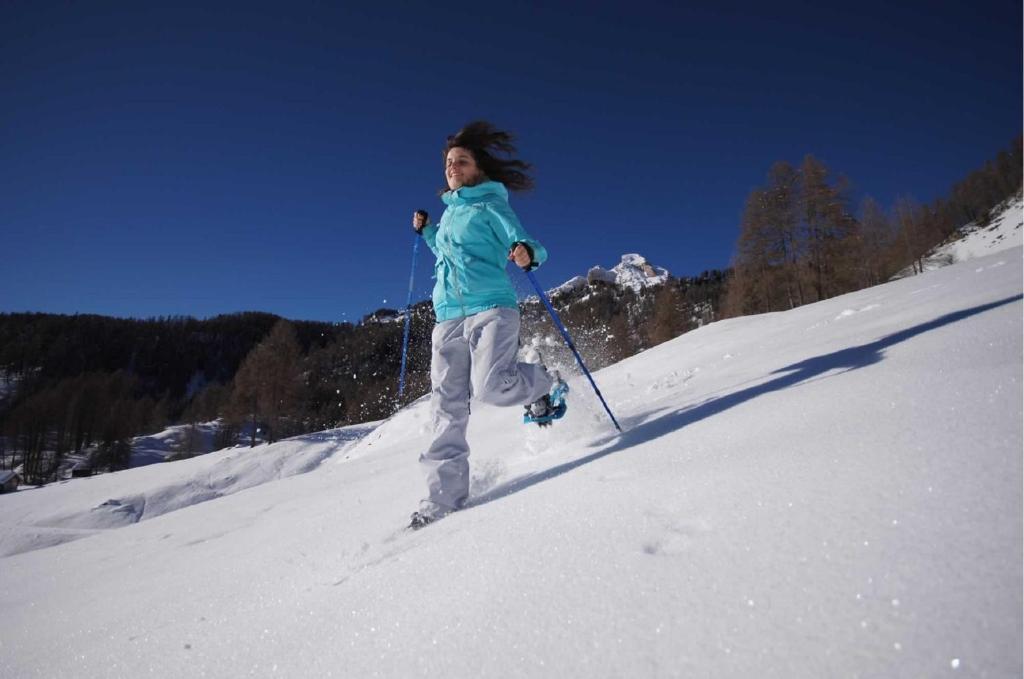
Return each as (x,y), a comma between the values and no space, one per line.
(829,491)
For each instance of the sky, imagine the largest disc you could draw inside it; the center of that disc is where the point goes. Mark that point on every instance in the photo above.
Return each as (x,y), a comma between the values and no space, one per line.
(208,158)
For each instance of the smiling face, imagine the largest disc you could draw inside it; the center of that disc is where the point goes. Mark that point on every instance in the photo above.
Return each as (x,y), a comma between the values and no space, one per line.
(460,169)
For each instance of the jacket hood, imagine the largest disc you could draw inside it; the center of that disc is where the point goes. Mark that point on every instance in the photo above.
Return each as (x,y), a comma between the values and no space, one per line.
(473,194)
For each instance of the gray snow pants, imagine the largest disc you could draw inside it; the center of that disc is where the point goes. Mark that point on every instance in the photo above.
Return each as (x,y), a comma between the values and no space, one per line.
(472,356)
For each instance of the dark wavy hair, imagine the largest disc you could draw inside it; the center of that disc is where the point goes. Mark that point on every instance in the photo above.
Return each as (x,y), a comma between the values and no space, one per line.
(484,140)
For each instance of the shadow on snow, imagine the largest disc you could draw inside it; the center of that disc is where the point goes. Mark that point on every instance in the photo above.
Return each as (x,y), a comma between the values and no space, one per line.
(843,360)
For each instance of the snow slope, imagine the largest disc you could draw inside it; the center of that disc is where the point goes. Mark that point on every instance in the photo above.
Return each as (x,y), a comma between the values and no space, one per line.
(35,518)
(159,447)
(829,491)
(1004,232)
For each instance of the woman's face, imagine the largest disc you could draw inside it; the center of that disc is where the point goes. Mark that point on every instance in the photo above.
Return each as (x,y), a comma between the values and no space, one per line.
(460,169)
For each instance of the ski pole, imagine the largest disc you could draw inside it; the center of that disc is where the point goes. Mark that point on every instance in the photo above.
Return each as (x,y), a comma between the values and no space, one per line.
(408,307)
(568,341)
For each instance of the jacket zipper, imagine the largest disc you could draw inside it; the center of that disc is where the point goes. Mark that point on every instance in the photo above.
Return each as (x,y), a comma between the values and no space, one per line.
(455,270)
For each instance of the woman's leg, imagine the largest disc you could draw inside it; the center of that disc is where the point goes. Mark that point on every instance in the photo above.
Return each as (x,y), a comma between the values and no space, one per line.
(498,377)
(446,460)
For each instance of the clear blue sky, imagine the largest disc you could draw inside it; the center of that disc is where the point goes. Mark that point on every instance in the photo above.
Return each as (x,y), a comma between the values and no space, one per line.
(205,158)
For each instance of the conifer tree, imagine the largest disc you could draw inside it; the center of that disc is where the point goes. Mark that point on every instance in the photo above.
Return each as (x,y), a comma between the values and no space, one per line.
(876,242)
(268,382)
(827,229)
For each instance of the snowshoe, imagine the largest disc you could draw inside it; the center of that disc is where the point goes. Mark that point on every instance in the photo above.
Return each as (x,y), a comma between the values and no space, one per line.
(420,520)
(549,407)
(427,514)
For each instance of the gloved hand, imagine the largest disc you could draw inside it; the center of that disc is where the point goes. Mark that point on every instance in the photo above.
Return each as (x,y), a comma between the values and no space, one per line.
(420,220)
(522,255)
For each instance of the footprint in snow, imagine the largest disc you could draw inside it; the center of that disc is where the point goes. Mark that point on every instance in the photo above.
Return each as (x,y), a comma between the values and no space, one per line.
(672,380)
(846,313)
(614,477)
(672,536)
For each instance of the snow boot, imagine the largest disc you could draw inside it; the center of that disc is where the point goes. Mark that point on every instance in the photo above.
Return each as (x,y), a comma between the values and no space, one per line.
(427,514)
(420,520)
(549,407)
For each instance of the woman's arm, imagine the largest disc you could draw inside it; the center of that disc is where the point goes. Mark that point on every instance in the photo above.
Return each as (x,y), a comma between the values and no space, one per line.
(508,228)
(421,225)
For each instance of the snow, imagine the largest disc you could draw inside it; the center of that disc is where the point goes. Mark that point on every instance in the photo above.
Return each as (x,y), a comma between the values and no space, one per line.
(75,509)
(167,443)
(635,272)
(829,491)
(597,273)
(163,446)
(1005,231)
(574,283)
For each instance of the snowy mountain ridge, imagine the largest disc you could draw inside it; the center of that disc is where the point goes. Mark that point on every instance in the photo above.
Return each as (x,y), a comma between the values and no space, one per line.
(633,271)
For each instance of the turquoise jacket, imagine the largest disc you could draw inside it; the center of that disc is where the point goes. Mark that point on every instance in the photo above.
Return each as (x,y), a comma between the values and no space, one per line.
(472,242)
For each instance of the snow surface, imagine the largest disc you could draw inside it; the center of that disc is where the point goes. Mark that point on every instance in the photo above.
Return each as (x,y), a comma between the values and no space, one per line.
(829,491)
(158,447)
(574,283)
(634,271)
(35,518)
(1004,232)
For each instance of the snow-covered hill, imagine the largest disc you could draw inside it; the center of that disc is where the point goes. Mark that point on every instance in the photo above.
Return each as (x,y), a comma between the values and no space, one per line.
(1004,232)
(829,491)
(174,442)
(36,518)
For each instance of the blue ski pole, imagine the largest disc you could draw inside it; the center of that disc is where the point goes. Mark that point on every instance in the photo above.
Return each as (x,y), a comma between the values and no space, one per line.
(408,307)
(568,341)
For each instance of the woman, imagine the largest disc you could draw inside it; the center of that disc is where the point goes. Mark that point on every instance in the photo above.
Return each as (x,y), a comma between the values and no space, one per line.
(476,338)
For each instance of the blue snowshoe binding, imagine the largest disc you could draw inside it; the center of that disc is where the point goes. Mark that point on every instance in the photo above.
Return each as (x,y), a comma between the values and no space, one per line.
(549,407)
